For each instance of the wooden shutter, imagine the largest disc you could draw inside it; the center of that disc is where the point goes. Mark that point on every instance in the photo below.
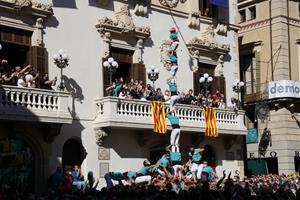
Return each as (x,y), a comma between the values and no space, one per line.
(138,72)
(16,37)
(37,57)
(219,84)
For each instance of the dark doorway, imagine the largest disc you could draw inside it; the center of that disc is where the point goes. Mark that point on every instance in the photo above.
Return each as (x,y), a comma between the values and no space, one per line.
(156,152)
(209,155)
(262,166)
(123,71)
(15,54)
(16,163)
(297,163)
(73,154)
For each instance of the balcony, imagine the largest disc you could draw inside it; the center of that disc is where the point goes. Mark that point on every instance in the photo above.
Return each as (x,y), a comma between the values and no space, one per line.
(136,114)
(35,105)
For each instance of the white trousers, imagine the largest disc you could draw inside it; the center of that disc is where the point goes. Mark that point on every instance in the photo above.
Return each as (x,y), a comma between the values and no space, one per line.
(174,45)
(177,169)
(195,167)
(142,179)
(174,69)
(174,99)
(175,136)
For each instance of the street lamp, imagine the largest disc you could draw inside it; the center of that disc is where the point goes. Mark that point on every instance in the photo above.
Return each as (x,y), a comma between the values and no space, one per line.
(206,81)
(153,74)
(238,87)
(112,65)
(61,60)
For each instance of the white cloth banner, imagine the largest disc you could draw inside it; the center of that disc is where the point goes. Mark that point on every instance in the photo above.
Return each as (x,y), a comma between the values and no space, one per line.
(284,88)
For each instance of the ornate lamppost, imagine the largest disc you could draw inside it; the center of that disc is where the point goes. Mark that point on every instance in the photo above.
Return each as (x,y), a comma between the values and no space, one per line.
(61,60)
(206,81)
(112,65)
(238,87)
(153,74)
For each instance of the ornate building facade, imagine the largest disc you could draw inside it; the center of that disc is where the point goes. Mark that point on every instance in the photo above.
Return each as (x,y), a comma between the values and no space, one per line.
(269,59)
(82,126)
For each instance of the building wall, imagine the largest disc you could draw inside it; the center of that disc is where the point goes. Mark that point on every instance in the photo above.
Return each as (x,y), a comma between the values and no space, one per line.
(284,129)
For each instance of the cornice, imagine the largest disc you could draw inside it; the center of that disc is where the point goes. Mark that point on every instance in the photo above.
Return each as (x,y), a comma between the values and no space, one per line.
(122,23)
(32,7)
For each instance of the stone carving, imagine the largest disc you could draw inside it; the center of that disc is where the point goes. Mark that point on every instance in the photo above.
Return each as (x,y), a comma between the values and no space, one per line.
(194,20)
(123,23)
(141,7)
(100,134)
(171,3)
(208,45)
(165,51)
(19,4)
(221,29)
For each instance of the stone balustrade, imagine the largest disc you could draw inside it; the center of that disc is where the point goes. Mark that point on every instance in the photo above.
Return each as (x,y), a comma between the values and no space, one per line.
(31,104)
(129,113)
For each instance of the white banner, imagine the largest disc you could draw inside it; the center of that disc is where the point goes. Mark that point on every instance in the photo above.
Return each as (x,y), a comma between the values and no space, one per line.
(284,88)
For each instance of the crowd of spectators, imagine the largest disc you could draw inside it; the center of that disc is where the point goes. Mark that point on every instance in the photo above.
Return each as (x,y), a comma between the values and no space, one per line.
(138,90)
(25,77)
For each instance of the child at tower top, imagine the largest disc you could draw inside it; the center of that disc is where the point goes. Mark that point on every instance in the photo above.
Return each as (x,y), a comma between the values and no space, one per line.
(175,40)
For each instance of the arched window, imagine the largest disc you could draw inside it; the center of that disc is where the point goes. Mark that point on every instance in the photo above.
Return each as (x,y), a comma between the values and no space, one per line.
(73,154)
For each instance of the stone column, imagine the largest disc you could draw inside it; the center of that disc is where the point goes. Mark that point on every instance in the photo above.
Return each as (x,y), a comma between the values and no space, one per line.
(37,36)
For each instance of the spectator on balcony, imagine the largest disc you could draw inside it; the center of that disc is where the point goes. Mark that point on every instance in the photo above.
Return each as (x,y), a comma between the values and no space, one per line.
(233,104)
(21,80)
(190,98)
(45,83)
(31,78)
(124,92)
(8,77)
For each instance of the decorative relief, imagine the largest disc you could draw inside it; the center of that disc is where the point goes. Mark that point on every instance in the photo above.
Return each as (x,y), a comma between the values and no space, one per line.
(171,3)
(100,134)
(207,43)
(194,20)
(221,29)
(141,7)
(165,51)
(19,4)
(122,23)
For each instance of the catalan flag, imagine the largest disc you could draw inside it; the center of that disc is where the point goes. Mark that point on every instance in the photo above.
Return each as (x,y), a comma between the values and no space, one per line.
(159,117)
(211,128)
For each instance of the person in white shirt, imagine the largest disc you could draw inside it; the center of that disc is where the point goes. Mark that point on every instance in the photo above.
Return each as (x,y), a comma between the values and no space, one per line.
(21,82)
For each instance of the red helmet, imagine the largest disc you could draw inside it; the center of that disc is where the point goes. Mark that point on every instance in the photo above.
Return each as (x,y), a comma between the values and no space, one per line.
(172,29)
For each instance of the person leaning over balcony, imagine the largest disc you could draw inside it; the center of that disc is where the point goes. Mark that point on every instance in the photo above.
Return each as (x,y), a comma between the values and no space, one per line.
(195,158)
(45,83)
(19,70)
(31,78)
(175,134)
(174,94)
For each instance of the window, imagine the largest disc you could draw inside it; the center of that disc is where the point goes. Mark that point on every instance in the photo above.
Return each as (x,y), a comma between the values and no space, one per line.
(242,16)
(252,12)
(205,8)
(248,66)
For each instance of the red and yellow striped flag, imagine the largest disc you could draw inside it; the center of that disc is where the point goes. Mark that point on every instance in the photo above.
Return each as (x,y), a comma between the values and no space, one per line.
(159,117)
(211,128)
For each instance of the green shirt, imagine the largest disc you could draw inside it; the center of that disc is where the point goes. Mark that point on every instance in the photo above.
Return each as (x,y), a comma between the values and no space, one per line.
(173,119)
(175,156)
(196,157)
(172,86)
(117,176)
(144,171)
(131,174)
(164,162)
(209,171)
(117,89)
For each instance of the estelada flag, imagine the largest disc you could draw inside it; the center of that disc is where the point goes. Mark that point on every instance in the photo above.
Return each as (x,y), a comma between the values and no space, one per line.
(211,128)
(159,117)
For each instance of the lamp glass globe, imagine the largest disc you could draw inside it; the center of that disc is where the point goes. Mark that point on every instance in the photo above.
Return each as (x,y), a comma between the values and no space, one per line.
(61,52)
(201,80)
(55,57)
(64,56)
(106,64)
(110,60)
(114,64)
(209,79)
(241,84)
(156,71)
(205,75)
